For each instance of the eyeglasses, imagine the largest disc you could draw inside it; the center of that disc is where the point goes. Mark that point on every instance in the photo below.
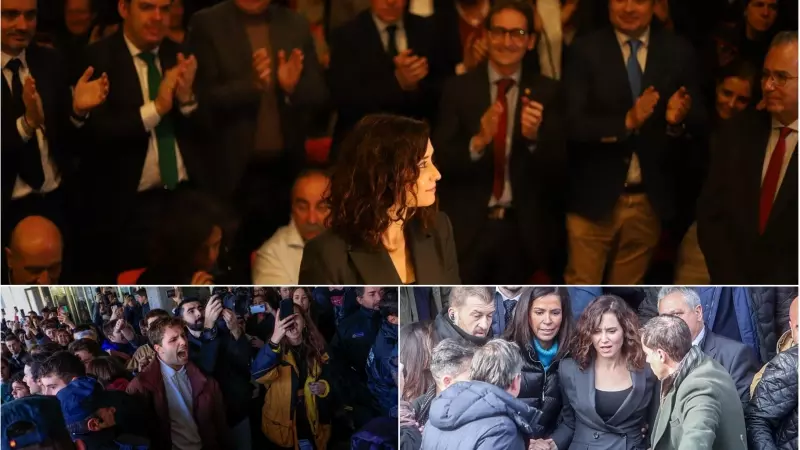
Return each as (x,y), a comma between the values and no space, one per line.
(517,35)
(779,78)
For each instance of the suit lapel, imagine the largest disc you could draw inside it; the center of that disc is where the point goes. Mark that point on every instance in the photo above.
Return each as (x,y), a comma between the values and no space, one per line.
(616,64)
(632,400)
(709,343)
(167,56)
(787,194)
(128,83)
(655,69)
(240,42)
(374,265)
(424,255)
(585,389)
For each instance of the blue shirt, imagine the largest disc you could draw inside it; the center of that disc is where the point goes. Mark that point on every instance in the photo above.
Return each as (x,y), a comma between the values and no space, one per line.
(178,390)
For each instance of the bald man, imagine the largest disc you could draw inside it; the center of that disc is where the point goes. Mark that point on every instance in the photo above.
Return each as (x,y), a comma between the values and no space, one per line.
(34,252)
(786,341)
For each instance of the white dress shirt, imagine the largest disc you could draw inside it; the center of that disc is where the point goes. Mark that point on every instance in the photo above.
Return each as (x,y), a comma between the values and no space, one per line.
(791,144)
(151,172)
(634,169)
(699,337)
(278,260)
(51,176)
(178,390)
(399,34)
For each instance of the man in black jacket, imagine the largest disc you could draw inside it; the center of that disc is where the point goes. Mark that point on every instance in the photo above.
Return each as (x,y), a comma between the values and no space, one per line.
(469,317)
(222,351)
(737,358)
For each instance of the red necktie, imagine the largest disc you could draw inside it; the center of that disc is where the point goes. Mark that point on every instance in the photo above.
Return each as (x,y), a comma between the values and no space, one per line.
(500,139)
(770,184)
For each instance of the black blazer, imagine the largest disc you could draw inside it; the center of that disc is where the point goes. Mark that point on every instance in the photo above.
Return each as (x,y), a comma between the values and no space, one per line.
(598,97)
(48,69)
(737,358)
(362,79)
(118,138)
(728,209)
(536,167)
(229,99)
(581,427)
(329,260)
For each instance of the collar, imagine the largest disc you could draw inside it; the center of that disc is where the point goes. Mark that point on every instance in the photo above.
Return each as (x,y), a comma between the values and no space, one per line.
(494,76)
(293,238)
(168,371)
(623,38)
(6,58)
(133,49)
(516,299)
(700,337)
(383,25)
(775,123)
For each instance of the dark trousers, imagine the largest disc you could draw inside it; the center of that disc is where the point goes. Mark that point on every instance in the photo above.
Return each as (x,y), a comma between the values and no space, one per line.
(497,254)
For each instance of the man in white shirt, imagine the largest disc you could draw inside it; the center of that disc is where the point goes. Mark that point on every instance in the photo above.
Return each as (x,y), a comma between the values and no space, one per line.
(278,260)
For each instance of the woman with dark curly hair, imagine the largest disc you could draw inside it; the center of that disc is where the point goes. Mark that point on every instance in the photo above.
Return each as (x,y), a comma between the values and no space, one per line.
(610,396)
(384,224)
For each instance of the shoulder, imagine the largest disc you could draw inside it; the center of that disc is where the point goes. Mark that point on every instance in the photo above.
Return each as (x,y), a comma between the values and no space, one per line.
(289,19)
(277,240)
(674,41)
(328,245)
(208,16)
(443,226)
(591,41)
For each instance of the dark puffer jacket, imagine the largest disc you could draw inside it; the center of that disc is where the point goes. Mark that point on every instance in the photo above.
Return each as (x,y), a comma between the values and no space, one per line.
(771,415)
(541,390)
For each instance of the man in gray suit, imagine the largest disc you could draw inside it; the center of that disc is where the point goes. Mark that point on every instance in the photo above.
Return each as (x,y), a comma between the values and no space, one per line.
(258,80)
(734,356)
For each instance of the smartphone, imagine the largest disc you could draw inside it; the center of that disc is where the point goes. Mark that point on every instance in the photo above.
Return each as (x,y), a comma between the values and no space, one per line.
(256,309)
(287,308)
(64,309)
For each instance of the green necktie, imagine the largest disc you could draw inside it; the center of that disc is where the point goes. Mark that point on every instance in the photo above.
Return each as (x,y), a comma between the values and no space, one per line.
(165,134)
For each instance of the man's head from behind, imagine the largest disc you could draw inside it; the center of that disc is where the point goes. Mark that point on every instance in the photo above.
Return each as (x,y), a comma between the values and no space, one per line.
(58,370)
(779,77)
(684,303)
(17,24)
(499,363)
(34,422)
(85,407)
(666,340)
(145,21)
(309,209)
(35,250)
(168,337)
(369,297)
(471,309)
(450,362)
(151,317)
(86,350)
(389,308)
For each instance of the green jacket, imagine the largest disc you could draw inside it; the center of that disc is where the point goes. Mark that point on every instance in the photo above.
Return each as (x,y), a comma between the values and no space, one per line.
(701,410)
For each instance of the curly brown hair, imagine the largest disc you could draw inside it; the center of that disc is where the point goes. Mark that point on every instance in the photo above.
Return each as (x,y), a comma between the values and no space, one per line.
(583,351)
(313,346)
(377,166)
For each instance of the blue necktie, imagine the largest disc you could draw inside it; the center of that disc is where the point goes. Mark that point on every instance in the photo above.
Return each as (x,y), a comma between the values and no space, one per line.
(509,306)
(634,70)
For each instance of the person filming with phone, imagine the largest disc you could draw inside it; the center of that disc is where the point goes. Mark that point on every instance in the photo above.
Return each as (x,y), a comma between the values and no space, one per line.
(294,368)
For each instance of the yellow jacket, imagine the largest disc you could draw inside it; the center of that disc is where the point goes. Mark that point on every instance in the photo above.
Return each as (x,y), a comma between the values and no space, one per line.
(784,343)
(277,418)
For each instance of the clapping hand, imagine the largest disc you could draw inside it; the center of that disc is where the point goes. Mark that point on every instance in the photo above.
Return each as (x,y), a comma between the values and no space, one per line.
(183,88)
(489,123)
(642,109)
(678,107)
(475,50)
(262,68)
(531,118)
(34,113)
(410,69)
(89,94)
(289,71)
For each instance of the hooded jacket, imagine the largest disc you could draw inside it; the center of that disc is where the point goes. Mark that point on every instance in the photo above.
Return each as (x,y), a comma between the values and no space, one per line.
(382,369)
(480,416)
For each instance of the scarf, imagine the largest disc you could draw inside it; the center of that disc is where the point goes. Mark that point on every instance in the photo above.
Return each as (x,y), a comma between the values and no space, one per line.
(546,356)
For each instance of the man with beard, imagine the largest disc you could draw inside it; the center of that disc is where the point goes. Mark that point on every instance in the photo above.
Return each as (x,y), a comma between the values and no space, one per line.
(188,409)
(221,351)
(468,318)
(505,301)
(278,260)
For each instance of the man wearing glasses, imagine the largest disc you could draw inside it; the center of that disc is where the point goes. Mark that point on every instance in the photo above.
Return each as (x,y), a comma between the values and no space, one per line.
(498,144)
(747,215)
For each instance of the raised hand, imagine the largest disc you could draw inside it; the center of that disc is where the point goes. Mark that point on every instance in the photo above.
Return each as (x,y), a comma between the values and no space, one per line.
(201,278)
(281,326)
(410,69)
(678,106)
(289,71)
(475,50)
(185,81)
(89,94)
(643,109)
(34,113)
(262,69)
(531,118)
(213,310)
(489,123)
(232,323)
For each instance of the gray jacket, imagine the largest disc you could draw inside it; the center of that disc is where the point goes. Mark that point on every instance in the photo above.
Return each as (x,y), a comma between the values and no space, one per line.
(473,415)
(408,304)
(581,427)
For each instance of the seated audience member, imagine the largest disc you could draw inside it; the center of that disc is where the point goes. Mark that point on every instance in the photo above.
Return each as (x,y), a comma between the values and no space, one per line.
(607,389)
(785,342)
(19,389)
(771,415)
(382,362)
(34,252)
(58,370)
(469,316)
(484,412)
(86,349)
(735,357)
(295,356)
(178,393)
(450,363)
(542,328)
(415,358)
(278,259)
(700,406)
(34,423)
(109,372)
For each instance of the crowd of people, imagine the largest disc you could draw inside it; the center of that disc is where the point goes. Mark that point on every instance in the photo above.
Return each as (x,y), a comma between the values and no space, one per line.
(575,140)
(250,368)
(547,368)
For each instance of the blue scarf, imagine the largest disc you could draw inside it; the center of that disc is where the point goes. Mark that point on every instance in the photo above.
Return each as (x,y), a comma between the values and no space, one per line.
(545,356)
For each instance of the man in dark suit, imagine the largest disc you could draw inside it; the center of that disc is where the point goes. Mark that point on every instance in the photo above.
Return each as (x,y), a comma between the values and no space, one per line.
(747,214)
(258,82)
(37,107)
(382,62)
(629,93)
(736,357)
(144,133)
(498,141)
